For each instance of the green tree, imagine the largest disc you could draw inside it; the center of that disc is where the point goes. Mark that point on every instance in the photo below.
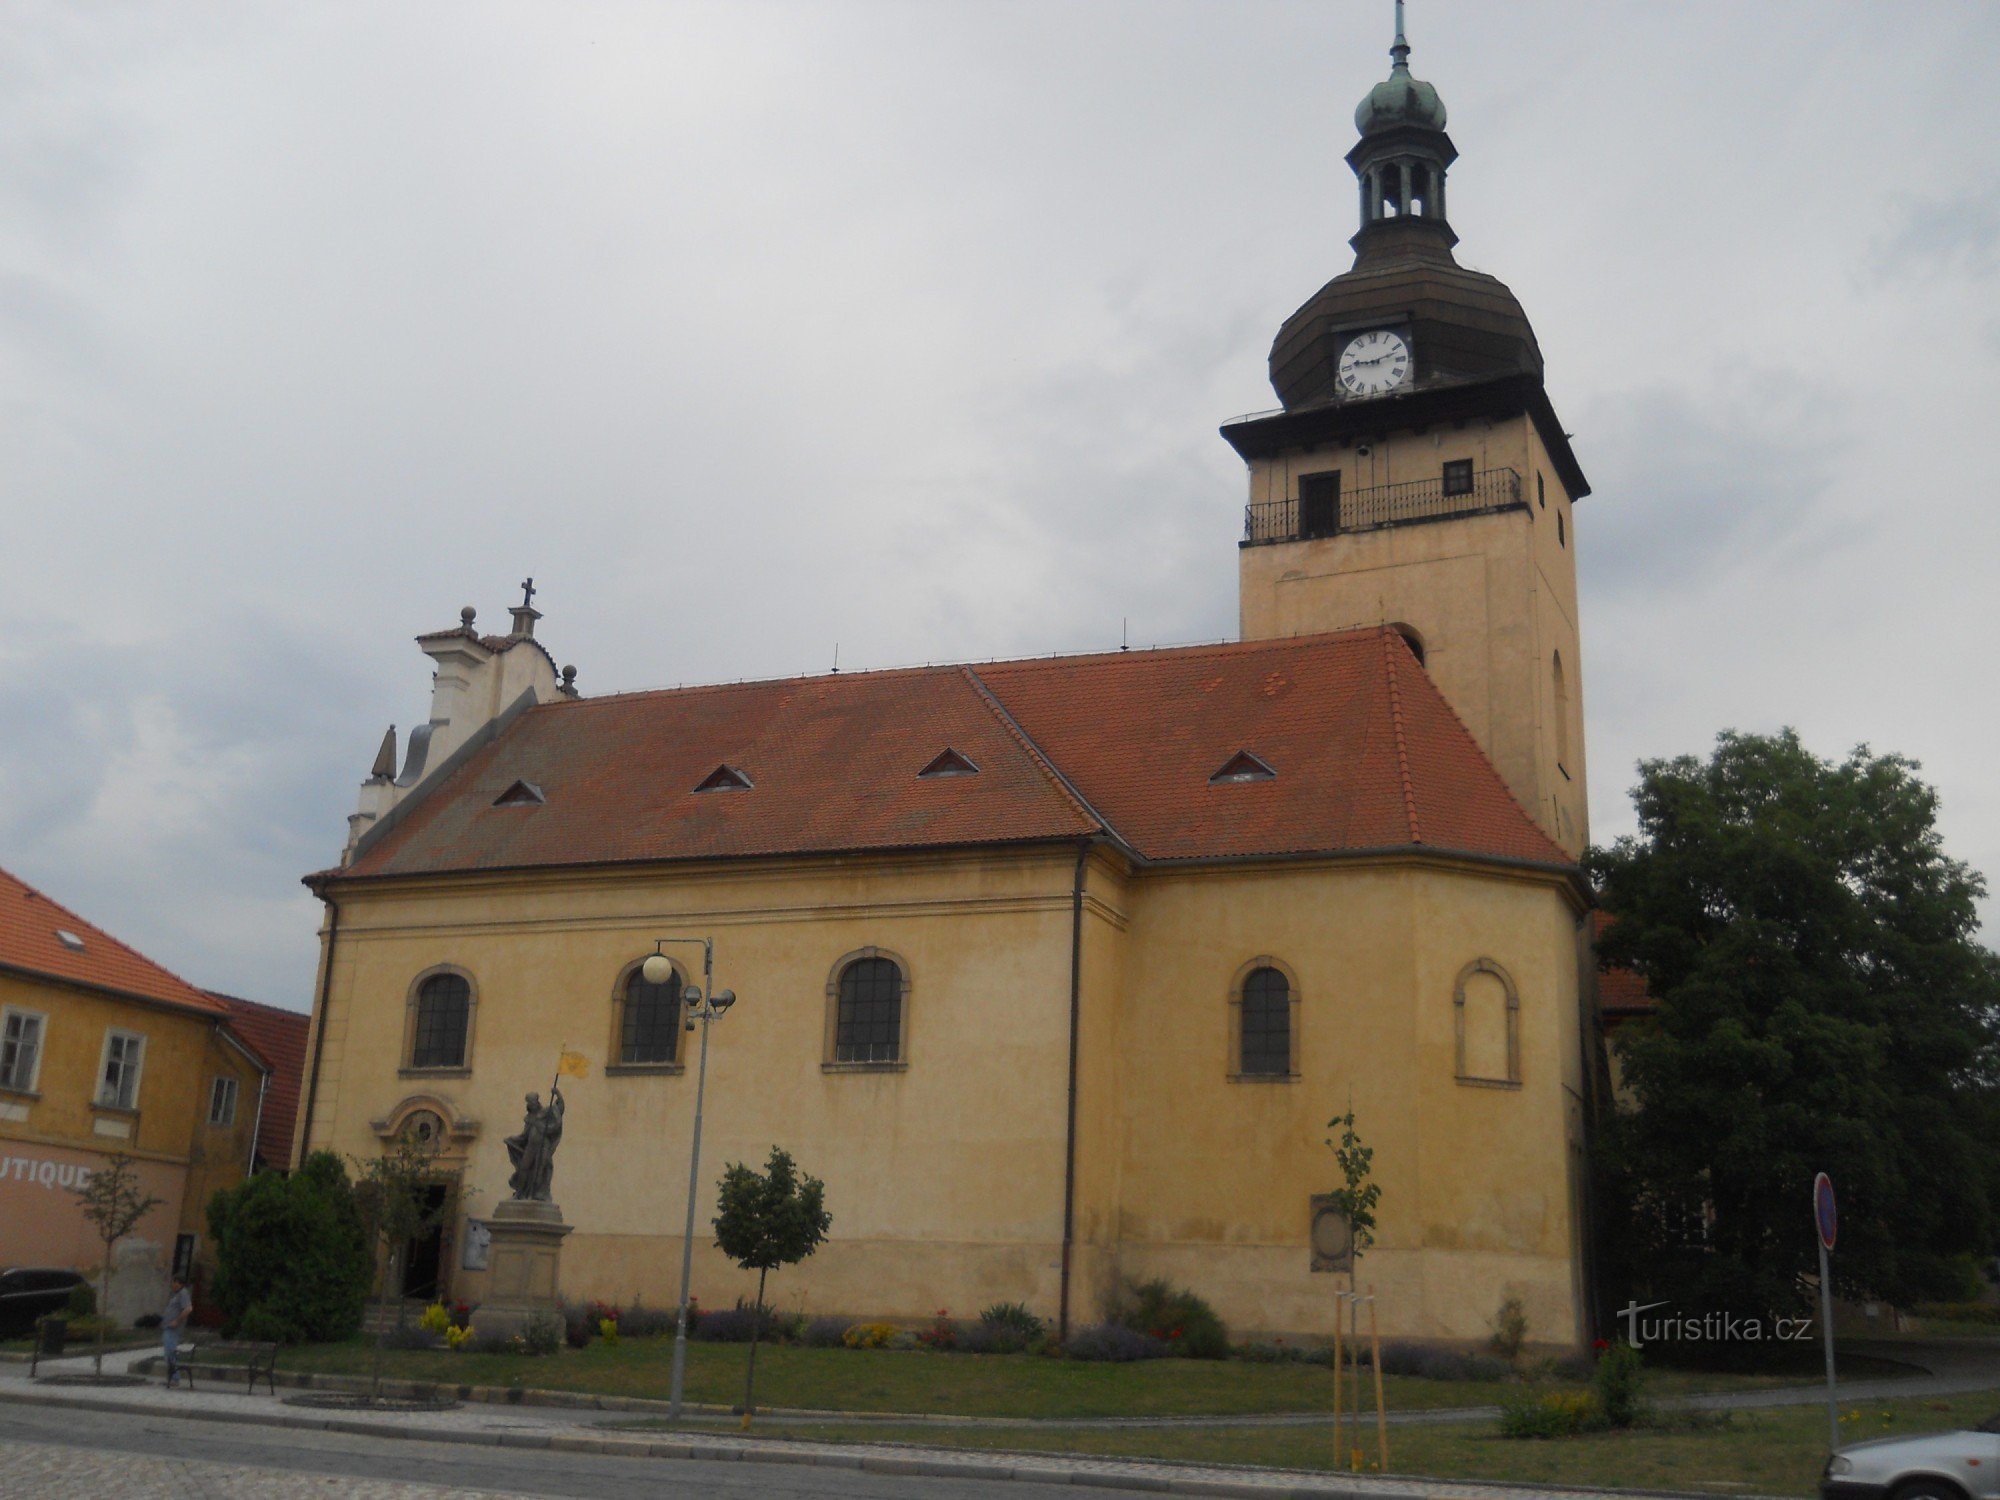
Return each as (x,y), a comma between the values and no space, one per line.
(767,1219)
(291,1254)
(397,1195)
(1357,1197)
(114,1203)
(1823,1005)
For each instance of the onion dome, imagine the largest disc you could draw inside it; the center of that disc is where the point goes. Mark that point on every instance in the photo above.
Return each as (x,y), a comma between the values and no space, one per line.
(1400,99)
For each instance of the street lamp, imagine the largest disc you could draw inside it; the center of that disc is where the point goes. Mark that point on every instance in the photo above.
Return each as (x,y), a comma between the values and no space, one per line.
(704,1004)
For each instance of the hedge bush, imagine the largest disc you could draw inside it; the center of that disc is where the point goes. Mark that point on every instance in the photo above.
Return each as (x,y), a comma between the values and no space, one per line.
(1173,1316)
(1115,1343)
(292,1261)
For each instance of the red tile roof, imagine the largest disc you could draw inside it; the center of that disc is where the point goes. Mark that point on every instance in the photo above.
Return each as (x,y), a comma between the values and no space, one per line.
(279,1037)
(30,924)
(1367,755)
(1621,992)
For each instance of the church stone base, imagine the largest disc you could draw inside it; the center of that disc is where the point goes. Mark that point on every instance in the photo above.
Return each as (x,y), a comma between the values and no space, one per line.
(523,1264)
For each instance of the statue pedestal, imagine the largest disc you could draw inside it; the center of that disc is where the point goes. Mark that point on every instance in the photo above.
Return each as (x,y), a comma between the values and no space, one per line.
(523,1263)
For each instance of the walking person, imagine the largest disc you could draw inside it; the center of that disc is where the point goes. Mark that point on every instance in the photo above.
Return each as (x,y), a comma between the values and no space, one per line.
(172,1320)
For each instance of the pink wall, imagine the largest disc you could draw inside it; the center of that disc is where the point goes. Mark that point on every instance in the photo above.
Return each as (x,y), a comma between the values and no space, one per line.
(41,1222)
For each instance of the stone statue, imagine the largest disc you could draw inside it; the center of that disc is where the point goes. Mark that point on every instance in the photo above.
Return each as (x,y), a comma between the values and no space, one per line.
(533,1151)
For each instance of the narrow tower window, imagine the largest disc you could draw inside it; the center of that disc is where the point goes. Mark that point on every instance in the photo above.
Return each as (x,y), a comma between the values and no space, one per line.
(1562,710)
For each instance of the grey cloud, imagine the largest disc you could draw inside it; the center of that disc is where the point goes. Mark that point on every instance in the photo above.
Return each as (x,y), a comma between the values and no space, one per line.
(1684,480)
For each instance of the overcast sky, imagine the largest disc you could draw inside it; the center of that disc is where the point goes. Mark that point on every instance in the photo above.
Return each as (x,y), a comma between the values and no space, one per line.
(750,328)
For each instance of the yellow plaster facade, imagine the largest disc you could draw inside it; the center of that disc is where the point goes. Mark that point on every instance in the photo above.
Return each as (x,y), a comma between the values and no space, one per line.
(946,1172)
(59,1127)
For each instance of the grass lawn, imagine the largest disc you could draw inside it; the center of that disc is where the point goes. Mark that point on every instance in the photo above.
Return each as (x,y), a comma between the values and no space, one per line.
(1777,1452)
(881,1380)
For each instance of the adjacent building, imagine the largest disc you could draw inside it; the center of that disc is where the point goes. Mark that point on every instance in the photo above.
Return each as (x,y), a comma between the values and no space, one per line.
(103,1051)
(1055,970)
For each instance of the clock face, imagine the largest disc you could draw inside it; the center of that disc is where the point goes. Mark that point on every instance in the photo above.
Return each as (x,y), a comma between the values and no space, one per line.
(1373,363)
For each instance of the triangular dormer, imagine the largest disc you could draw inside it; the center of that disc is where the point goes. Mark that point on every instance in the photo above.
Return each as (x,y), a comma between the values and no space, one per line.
(1242,766)
(948,763)
(724,779)
(521,794)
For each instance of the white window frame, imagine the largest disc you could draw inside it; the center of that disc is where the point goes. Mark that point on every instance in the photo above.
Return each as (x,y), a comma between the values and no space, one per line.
(134,1062)
(8,1016)
(223,1090)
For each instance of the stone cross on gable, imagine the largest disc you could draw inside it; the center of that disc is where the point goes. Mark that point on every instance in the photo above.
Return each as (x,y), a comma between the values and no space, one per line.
(527,593)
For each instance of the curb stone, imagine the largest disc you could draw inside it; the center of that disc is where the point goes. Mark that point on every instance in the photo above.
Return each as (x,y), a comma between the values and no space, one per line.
(1039,1469)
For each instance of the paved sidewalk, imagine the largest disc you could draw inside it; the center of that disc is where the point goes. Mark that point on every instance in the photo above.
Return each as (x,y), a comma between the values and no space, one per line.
(573,1431)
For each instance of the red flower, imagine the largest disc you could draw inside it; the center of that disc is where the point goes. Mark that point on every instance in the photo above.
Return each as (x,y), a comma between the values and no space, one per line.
(1601,1345)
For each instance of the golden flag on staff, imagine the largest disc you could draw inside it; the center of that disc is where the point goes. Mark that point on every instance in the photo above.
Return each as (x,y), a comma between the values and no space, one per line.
(573,1065)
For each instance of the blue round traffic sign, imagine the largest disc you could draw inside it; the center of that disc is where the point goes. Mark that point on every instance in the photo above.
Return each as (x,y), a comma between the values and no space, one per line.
(1825,1215)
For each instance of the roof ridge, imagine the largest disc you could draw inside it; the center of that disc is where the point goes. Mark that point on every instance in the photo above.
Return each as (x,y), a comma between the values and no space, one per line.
(1036,756)
(1067,659)
(1402,744)
(278,1010)
(40,895)
(1487,760)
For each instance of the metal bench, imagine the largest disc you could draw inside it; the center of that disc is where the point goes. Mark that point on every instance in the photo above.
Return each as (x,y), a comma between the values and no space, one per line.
(263,1361)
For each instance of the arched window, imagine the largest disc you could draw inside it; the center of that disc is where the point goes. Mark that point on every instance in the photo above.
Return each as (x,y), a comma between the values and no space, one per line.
(1488,1025)
(442,1023)
(649,1020)
(1263,1021)
(1562,709)
(867,1003)
(1267,1023)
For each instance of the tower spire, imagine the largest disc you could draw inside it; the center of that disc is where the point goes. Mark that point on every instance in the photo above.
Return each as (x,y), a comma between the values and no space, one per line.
(1401,50)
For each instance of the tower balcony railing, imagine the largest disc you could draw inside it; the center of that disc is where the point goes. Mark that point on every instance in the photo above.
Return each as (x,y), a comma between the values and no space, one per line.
(1379,507)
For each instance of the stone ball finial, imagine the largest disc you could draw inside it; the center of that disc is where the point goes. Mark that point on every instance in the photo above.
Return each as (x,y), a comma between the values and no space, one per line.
(467,615)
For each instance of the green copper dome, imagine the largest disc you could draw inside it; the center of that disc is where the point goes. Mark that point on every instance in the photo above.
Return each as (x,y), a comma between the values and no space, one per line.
(1400,99)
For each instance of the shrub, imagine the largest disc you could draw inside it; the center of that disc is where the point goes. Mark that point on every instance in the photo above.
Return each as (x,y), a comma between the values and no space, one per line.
(1510,1329)
(436,1318)
(1618,1384)
(826,1333)
(1014,1315)
(579,1327)
(1278,1352)
(869,1336)
(739,1324)
(1115,1343)
(1573,1366)
(607,1329)
(641,1322)
(542,1334)
(940,1337)
(1430,1363)
(1557,1414)
(457,1336)
(291,1249)
(1173,1316)
(83,1300)
(992,1338)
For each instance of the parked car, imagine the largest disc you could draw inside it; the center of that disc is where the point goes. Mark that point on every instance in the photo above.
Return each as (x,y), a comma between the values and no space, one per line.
(1962,1465)
(31,1292)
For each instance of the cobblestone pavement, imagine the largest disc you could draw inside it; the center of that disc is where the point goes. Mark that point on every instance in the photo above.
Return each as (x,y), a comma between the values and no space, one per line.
(50,1472)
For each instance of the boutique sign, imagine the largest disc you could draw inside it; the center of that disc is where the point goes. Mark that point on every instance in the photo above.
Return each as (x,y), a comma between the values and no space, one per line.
(44,1173)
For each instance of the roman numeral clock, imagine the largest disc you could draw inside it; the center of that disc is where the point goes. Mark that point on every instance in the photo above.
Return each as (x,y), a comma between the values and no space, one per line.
(1373,364)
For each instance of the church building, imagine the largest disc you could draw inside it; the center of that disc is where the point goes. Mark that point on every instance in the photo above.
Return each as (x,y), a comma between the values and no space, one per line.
(1055,970)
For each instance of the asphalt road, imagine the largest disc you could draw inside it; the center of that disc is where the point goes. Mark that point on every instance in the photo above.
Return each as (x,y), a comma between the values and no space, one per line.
(69,1452)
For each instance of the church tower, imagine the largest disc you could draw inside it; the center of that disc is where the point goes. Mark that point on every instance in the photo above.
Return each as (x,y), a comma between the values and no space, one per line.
(1416,474)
